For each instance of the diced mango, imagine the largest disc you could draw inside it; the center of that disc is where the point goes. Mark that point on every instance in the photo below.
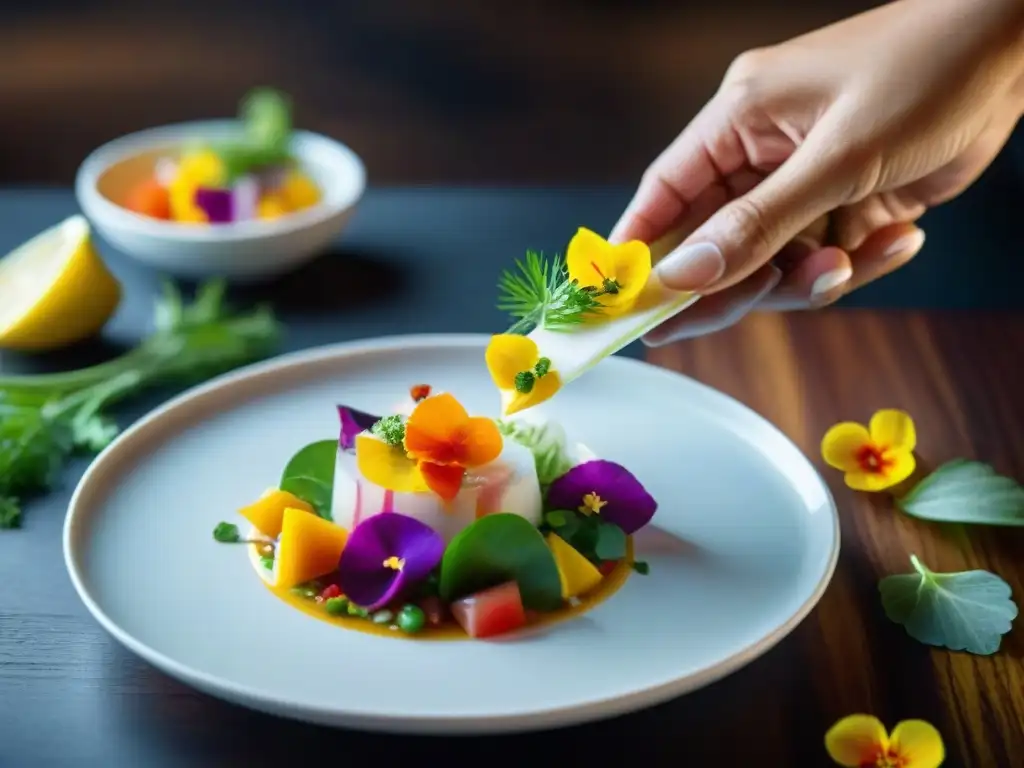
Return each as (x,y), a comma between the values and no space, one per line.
(268,512)
(309,547)
(271,206)
(197,169)
(578,574)
(299,191)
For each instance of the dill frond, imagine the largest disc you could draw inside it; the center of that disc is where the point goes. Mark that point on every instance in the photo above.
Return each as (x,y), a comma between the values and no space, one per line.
(539,293)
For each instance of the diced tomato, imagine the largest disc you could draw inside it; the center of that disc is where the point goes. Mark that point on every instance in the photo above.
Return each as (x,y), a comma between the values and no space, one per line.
(607,567)
(491,612)
(150,199)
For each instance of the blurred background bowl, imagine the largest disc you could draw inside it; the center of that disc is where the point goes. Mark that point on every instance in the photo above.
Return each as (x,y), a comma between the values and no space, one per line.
(243,251)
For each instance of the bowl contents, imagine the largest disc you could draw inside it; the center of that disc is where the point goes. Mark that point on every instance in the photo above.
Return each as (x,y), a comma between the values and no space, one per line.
(255,177)
(432,523)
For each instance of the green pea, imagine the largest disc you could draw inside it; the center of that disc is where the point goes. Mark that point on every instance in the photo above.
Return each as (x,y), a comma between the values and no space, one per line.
(337,606)
(355,610)
(383,617)
(411,619)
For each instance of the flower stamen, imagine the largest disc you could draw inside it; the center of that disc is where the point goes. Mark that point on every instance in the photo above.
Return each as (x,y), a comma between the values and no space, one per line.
(874,459)
(394,563)
(592,504)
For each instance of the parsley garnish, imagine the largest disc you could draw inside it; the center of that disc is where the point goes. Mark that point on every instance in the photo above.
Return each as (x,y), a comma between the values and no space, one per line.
(539,294)
(390,429)
(45,418)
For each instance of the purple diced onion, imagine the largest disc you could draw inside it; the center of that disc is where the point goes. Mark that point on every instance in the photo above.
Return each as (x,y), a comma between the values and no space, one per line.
(217,204)
(246,196)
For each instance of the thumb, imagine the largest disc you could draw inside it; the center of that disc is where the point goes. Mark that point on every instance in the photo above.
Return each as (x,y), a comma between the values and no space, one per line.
(746,233)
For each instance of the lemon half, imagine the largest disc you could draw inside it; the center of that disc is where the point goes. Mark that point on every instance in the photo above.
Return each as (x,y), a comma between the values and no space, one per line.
(55,289)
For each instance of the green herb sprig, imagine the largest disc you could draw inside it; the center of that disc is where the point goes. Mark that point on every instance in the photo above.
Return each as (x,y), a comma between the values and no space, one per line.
(539,294)
(46,418)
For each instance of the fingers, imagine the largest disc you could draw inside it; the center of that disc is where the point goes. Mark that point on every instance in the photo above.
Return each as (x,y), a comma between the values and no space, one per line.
(744,234)
(719,311)
(825,275)
(702,155)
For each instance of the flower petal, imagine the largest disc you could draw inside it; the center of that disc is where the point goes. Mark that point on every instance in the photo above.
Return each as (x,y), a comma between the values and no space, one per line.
(443,479)
(544,388)
(588,258)
(893,429)
(507,354)
(352,423)
(918,743)
(431,427)
(840,444)
(387,466)
(365,579)
(627,503)
(631,267)
(482,442)
(894,474)
(856,740)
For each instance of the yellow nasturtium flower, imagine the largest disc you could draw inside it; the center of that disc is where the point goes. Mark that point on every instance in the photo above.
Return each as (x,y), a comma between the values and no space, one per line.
(518,370)
(875,457)
(616,273)
(861,741)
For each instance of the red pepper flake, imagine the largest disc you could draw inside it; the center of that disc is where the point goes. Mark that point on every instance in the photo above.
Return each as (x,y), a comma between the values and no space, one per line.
(332,590)
(419,392)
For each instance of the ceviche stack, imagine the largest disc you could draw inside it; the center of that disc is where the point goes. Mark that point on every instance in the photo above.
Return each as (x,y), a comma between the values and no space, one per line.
(254,177)
(433,522)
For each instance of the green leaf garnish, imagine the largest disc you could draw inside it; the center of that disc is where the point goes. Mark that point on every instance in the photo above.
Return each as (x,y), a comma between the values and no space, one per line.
(548,444)
(539,293)
(641,567)
(390,429)
(963,491)
(611,542)
(498,548)
(45,418)
(227,533)
(310,475)
(10,514)
(967,611)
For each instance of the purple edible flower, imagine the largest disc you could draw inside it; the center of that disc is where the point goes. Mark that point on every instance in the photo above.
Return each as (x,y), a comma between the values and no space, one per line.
(352,423)
(606,489)
(385,554)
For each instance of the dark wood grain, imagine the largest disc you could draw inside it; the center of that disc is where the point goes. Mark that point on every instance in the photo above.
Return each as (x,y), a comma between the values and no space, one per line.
(70,696)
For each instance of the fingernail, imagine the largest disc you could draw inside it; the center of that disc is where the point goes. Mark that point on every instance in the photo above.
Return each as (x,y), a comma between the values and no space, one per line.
(692,266)
(829,281)
(908,245)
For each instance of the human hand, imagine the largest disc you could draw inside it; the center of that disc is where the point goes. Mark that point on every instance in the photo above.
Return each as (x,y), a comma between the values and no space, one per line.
(803,176)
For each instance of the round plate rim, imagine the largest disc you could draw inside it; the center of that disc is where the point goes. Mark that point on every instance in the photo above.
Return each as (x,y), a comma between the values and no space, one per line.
(531,719)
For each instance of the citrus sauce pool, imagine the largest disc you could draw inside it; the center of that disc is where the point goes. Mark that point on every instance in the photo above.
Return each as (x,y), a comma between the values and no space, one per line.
(450,630)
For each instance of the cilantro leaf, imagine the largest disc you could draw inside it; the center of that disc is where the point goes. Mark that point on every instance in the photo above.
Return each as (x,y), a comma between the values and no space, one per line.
(967,611)
(963,491)
(611,542)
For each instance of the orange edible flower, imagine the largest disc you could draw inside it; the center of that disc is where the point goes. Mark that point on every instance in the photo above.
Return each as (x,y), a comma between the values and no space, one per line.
(618,273)
(861,741)
(446,440)
(419,392)
(875,457)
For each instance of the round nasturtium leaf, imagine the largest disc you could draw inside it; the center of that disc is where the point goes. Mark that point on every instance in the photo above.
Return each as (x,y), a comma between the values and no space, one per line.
(498,548)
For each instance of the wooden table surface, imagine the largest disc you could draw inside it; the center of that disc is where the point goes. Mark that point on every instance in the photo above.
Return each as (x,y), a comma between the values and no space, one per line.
(63,681)
(71,696)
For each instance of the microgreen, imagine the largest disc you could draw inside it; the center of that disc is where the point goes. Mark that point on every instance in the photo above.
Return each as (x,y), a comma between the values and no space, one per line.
(539,294)
(390,429)
(963,491)
(227,533)
(45,418)
(967,611)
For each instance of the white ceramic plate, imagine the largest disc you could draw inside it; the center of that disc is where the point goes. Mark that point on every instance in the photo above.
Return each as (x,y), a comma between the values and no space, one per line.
(750,539)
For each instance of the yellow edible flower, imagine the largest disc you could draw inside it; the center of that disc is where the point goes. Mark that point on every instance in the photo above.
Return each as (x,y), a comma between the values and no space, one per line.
(860,741)
(196,169)
(875,457)
(513,361)
(616,273)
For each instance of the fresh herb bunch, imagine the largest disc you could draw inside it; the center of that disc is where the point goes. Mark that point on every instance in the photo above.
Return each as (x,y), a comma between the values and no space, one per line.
(539,294)
(45,418)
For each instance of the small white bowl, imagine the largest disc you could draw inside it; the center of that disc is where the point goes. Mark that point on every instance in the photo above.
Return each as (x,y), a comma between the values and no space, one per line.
(242,251)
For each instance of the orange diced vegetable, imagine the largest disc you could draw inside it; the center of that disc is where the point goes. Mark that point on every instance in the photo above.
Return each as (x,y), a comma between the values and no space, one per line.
(309,547)
(299,191)
(150,199)
(268,512)
(271,206)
